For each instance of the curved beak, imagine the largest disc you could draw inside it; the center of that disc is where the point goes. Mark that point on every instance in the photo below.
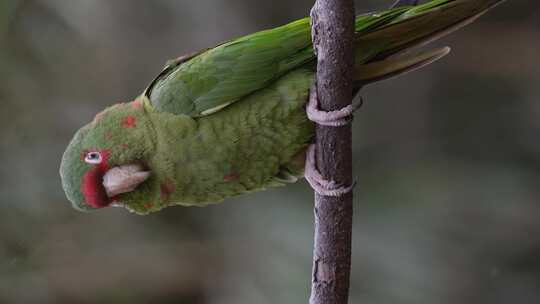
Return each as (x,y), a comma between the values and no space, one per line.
(124,179)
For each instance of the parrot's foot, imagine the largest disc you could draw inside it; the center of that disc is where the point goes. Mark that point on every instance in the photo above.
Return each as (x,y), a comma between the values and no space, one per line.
(336,118)
(318,183)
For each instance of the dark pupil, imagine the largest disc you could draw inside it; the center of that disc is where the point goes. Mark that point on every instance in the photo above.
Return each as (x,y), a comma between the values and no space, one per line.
(93,156)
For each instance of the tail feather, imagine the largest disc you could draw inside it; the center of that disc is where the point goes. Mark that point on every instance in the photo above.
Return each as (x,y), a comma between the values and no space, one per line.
(402,28)
(396,65)
(383,40)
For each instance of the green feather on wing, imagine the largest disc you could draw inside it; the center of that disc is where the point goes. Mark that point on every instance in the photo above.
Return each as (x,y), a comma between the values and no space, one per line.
(205,82)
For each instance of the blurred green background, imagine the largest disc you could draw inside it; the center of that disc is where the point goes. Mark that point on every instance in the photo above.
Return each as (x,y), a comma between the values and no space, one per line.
(447,160)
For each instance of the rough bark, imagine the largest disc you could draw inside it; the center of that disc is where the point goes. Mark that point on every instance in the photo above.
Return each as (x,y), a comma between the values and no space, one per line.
(333,31)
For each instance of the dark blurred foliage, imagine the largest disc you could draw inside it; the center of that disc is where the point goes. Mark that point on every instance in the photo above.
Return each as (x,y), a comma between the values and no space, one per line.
(447,161)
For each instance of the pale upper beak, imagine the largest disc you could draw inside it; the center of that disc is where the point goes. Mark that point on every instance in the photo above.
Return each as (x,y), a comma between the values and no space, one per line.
(124,179)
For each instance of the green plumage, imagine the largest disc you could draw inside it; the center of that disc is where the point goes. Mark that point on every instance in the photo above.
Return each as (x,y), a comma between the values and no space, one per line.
(231,119)
(245,147)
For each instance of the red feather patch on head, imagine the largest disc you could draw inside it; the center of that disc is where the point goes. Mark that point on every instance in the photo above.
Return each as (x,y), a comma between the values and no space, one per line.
(166,189)
(92,184)
(129,122)
(231,176)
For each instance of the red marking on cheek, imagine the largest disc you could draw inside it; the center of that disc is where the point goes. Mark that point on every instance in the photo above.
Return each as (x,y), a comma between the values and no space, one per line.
(94,193)
(124,146)
(92,183)
(129,122)
(148,205)
(167,188)
(231,176)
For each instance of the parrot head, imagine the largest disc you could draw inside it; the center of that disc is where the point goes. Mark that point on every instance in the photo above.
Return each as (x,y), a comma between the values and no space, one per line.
(107,161)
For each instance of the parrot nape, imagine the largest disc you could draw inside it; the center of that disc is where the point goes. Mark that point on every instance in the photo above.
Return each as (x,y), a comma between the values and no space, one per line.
(231,119)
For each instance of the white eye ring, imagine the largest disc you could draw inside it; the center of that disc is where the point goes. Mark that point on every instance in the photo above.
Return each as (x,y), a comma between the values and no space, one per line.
(93,158)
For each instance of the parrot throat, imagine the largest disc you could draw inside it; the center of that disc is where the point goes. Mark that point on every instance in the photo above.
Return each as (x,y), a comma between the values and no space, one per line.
(92,184)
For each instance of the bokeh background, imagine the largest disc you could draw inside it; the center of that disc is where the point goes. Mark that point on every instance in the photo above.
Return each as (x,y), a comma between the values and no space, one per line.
(447,159)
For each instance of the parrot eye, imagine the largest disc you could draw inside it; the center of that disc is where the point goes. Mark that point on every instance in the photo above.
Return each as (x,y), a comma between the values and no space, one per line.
(93,158)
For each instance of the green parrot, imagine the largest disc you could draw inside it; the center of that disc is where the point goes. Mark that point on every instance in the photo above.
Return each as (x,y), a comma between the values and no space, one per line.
(232,119)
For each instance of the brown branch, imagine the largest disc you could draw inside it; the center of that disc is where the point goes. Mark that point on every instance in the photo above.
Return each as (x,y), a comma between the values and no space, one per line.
(333,31)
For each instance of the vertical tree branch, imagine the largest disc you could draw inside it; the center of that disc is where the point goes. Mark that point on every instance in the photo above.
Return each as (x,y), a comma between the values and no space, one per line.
(333,32)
